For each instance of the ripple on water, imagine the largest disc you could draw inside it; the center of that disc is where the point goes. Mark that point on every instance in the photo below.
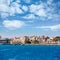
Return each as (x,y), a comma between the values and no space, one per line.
(18,52)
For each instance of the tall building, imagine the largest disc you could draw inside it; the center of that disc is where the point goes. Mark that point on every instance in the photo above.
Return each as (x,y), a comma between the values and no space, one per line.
(24,39)
(33,39)
(19,40)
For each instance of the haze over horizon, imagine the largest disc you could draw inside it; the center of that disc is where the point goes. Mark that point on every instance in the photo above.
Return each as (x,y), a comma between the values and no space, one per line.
(29,17)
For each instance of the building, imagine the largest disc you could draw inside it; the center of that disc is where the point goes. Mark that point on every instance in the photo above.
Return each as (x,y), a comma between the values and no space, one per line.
(15,40)
(24,39)
(43,39)
(33,39)
(19,40)
(4,41)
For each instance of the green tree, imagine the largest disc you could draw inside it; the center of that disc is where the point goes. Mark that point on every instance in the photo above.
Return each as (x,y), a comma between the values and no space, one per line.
(56,39)
(36,42)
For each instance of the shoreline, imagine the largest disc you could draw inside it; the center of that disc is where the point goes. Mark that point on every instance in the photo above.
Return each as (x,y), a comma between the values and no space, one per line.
(34,44)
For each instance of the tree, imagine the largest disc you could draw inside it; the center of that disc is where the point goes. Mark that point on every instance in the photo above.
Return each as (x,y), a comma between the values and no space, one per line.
(27,41)
(36,42)
(56,39)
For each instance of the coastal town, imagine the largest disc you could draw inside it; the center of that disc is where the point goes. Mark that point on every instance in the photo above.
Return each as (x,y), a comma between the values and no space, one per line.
(31,40)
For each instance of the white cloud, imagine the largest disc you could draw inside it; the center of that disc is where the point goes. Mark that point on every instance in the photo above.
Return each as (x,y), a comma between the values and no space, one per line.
(41,12)
(4,8)
(49,2)
(18,10)
(7,2)
(25,8)
(54,27)
(13,24)
(44,11)
(55,17)
(18,1)
(13,9)
(4,15)
(33,8)
(27,1)
(38,10)
(30,16)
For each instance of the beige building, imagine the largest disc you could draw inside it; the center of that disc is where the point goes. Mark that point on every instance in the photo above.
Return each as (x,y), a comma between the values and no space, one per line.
(43,39)
(20,40)
(33,39)
(15,41)
(24,39)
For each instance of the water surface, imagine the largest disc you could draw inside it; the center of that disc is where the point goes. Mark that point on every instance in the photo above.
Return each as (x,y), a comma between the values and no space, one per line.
(26,52)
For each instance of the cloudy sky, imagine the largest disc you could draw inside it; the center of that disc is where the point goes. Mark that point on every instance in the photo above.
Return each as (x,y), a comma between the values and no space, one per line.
(29,17)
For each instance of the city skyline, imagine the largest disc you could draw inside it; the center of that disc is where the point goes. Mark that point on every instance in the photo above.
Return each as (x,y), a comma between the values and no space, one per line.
(29,17)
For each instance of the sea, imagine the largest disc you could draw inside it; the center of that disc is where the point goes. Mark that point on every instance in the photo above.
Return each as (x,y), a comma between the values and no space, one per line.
(29,52)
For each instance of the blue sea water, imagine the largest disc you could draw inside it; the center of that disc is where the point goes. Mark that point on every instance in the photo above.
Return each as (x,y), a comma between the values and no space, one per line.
(29,52)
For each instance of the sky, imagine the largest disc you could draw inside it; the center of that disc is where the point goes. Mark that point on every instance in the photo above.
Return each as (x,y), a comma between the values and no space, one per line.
(29,17)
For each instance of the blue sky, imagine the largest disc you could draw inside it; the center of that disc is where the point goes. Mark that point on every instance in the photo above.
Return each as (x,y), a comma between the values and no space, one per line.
(29,17)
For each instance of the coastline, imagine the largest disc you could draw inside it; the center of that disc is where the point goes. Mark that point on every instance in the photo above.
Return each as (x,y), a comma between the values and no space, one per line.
(33,44)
